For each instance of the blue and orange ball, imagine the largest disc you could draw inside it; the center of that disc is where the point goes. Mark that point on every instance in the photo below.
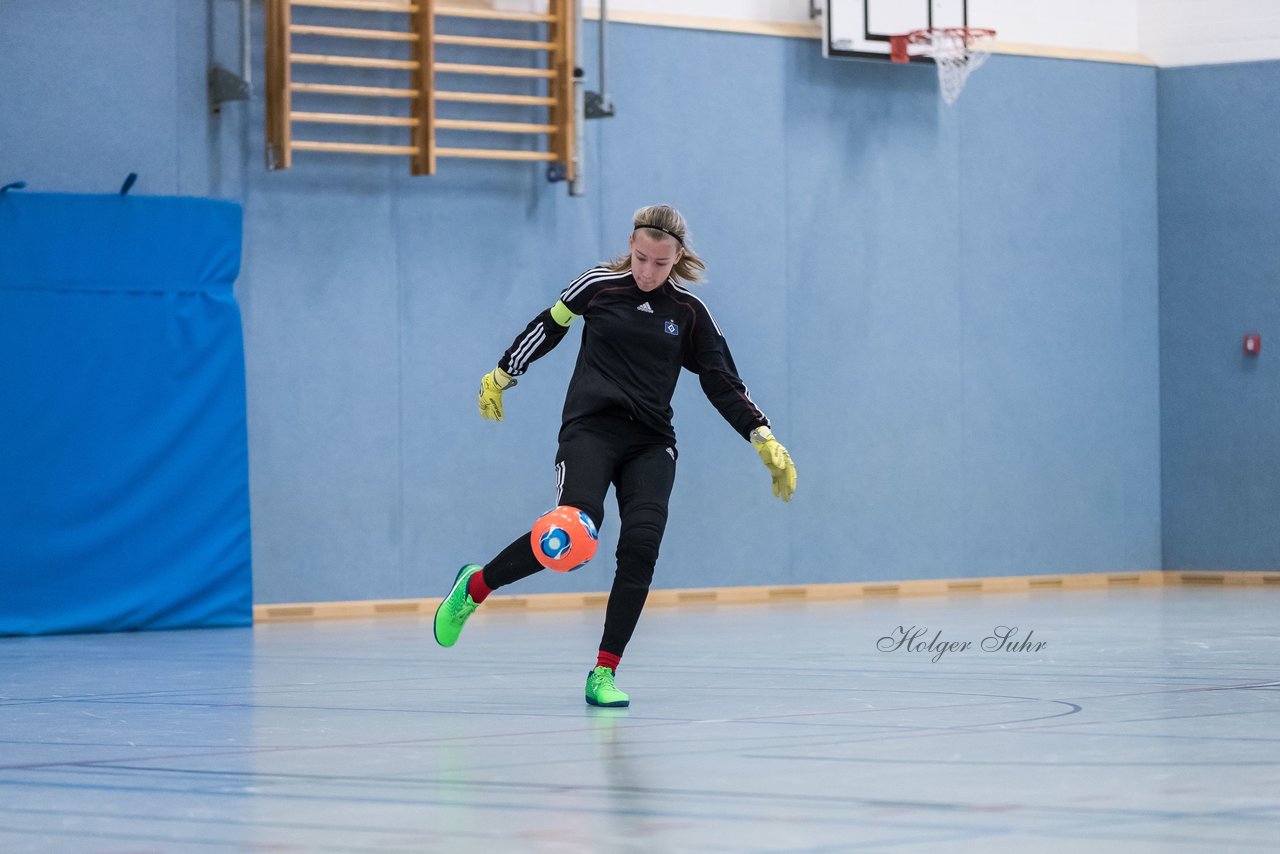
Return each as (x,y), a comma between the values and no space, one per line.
(564,539)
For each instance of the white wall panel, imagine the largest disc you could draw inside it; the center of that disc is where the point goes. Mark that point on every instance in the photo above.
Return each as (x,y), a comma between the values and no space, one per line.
(1198,32)
(1169,32)
(1108,25)
(772,11)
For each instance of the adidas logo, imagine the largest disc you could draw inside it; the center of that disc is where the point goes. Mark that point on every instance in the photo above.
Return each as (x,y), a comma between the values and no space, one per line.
(644,306)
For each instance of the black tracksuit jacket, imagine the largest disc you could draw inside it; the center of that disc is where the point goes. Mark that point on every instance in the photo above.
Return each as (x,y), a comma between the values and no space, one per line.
(633,347)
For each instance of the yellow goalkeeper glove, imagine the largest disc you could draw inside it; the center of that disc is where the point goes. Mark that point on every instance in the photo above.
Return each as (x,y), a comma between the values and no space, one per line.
(776,460)
(492,385)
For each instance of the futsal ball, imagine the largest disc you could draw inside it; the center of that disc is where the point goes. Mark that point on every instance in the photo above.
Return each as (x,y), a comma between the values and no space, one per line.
(564,539)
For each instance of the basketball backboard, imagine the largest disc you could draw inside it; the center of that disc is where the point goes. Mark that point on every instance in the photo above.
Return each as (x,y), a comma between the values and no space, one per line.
(860,29)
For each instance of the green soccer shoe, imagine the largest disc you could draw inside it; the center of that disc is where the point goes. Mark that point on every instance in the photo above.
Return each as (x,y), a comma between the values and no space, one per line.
(602,692)
(453,612)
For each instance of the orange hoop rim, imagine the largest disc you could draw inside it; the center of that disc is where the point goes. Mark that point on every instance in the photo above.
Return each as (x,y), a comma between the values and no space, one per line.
(968,34)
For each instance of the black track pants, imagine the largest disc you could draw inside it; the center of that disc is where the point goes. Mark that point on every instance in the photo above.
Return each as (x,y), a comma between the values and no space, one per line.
(595,452)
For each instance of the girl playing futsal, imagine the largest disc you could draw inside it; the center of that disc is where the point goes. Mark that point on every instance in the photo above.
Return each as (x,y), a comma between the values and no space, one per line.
(642,325)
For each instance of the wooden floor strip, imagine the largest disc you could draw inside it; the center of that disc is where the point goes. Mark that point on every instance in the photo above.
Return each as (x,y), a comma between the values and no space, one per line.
(765,594)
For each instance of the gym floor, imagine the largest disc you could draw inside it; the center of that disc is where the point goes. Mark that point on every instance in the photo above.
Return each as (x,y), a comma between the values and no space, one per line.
(1134,720)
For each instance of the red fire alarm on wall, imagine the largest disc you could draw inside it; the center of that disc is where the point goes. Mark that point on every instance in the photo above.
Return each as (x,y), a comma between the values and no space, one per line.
(1252,344)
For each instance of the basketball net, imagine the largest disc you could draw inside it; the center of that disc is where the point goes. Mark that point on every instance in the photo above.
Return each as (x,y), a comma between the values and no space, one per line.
(957,51)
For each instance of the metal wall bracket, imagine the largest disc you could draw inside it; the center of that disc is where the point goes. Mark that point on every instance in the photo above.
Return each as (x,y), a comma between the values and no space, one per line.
(225,86)
(596,107)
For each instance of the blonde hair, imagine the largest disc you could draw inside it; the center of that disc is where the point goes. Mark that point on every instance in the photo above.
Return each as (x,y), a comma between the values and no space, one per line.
(659,221)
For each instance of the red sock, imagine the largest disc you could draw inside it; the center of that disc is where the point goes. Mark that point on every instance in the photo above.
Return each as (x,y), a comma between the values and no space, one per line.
(609,660)
(476,588)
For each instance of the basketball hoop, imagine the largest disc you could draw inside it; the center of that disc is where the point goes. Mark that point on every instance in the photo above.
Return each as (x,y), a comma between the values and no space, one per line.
(958,51)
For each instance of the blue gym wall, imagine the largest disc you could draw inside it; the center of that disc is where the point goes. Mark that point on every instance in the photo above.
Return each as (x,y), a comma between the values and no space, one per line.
(1220,279)
(951,314)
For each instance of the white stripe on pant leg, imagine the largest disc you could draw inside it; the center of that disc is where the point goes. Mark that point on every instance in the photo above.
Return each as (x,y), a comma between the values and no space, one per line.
(559,481)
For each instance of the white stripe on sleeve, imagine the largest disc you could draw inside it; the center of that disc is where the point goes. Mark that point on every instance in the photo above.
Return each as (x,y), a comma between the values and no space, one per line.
(589,278)
(520,357)
(690,293)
